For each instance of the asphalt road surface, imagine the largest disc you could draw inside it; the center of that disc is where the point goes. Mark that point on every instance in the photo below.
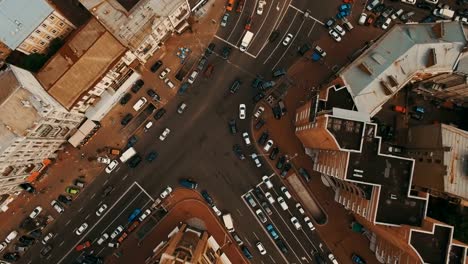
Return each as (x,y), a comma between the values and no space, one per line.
(200,145)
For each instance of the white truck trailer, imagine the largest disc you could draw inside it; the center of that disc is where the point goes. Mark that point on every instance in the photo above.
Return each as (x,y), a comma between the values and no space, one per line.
(246,41)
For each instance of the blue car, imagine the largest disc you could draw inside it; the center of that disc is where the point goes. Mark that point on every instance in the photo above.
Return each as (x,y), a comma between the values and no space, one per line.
(345,7)
(272,231)
(134,215)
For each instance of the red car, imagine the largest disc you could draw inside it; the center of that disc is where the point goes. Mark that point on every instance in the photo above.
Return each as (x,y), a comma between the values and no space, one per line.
(122,237)
(209,71)
(240,6)
(370,20)
(348,1)
(80,247)
(248,23)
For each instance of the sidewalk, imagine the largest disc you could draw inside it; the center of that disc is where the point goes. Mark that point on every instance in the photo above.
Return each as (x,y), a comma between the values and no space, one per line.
(184,205)
(336,233)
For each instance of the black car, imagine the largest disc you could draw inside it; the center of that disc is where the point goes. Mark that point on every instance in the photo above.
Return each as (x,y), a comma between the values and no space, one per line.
(201,64)
(388,11)
(36,233)
(151,93)
(238,152)
(159,113)
(25,240)
(274,153)
(134,161)
(235,86)
(426,6)
(277,112)
(463,12)
(258,192)
(127,118)
(27,187)
(124,100)
(183,88)
(428,19)
(416,116)
(285,170)
(152,156)
(259,96)
(304,49)
(210,49)
(281,246)
(259,124)
(263,138)
(330,22)
(305,174)
(379,8)
(107,190)
(65,199)
(379,21)
(137,85)
(226,52)
(232,126)
(207,197)
(274,35)
(280,163)
(11,256)
(132,141)
(156,66)
(257,82)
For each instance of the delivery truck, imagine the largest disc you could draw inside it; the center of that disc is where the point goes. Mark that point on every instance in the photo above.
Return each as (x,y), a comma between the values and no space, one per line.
(246,41)
(227,219)
(127,154)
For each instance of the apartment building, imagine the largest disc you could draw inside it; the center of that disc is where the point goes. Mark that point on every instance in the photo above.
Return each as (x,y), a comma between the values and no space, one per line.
(406,54)
(29,26)
(188,244)
(141,26)
(33,127)
(372,182)
(90,72)
(446,87)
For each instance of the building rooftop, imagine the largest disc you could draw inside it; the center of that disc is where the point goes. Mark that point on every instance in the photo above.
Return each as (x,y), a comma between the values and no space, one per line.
(433,247)
(128,4)
(403,52)
(347,133)
(18,18)
(391,176)
(80,63)
(337,98)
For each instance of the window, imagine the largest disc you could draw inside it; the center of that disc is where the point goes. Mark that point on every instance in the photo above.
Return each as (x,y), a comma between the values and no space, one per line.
(52,17)
(61,24)
(54,31)
(48,37)
(38,31)
(34,50)
(44,25)
(42,43)
(32,38)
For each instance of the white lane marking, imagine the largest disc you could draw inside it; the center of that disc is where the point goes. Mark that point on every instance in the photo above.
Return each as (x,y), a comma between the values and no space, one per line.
(248,242)
(92,196)
(81,209)
(272,259)
(98,221)
(264,20)
(61,243)
(234,46)
(118,168)
(105,182)
(100,251)
(312,28)
(290,44)
(235,26)
(124,177)
(239,212)
(86,218)
(255,235)
(302,12)
(281,42)
(67,223)
(142,189)
(49,257)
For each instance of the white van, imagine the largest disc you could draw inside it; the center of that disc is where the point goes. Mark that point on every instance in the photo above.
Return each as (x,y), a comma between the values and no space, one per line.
(372,5)
(138,105)
(148,126)
(13,234)
(227,219)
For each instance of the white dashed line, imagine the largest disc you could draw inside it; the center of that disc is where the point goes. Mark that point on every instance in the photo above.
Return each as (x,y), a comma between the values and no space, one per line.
(61,243)
(312,28)
(86,218)
(302,12)
(279,42)
(81,209)
(92,196)
(67,223)
(105,182)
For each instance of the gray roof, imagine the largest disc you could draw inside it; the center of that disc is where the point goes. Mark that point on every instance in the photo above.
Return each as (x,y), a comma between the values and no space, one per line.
(398,56)
(18,18)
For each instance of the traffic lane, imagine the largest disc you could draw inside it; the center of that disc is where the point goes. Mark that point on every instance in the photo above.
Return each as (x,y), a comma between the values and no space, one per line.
(118,212)
(322,10)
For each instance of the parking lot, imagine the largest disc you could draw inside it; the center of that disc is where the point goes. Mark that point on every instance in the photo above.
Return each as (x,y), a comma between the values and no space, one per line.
(297,243)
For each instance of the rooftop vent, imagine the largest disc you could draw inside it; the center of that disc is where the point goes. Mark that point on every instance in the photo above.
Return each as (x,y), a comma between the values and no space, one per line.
(378,58)
(431,58)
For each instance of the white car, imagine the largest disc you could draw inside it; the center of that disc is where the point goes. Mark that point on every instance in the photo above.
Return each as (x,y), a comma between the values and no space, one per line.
(246,138)
(259,112)
(47,238)
(309,223)
(57,206)
(144,215)
(339,30)
(117,231)
(268,145)
(299,207)
(334,35)
(181,108)
(261,5)
(285,192)
(164,134)
(166,192)
(81,229)
(331,257)
(282,203)
(462,19)
(35,212)
(411,2)
(267,182)
(386,23)
(362,19)
(164,73)
(169,83)
(287,39)
(140,103)
(103,160)
(103,238)
(216,210)
(256,160)
(113,245)
(434,2)
(101,209)
(261,248)
(3,245)
(269,198)
(296,223)
(192,77)
(242,110)
(261,216)
(224,20)
(112,166)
